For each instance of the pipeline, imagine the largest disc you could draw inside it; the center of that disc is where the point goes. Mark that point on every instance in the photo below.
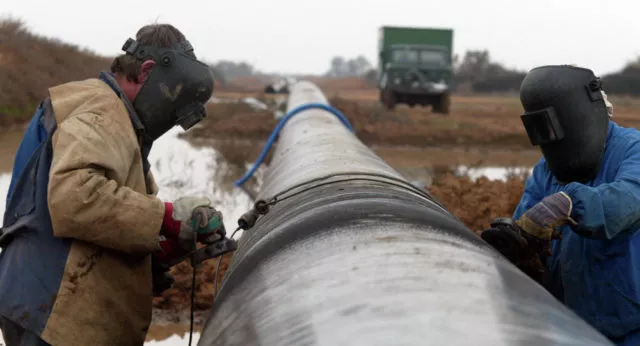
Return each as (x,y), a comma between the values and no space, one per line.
(350,253)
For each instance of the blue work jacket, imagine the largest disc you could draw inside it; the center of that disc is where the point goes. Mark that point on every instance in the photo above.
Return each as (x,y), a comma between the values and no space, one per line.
(595,267)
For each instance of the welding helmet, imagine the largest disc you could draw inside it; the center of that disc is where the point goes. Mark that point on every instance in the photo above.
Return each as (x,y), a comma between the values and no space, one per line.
(175,92)
(566,116)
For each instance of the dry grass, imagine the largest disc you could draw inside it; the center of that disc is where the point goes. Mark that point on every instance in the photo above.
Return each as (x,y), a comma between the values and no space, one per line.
(30,64)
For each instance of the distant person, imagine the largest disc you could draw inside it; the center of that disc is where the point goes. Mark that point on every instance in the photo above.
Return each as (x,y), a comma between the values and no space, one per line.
(82,224)
(580,211)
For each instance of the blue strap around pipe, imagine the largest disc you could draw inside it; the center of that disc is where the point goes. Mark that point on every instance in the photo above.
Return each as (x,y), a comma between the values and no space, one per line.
(276,131)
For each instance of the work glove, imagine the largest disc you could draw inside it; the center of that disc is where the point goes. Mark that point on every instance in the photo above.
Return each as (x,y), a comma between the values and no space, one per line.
(527,241)
(187,220)
(541,220)
(523,250)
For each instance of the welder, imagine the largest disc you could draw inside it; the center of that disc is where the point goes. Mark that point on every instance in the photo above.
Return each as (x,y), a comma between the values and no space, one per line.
(83,223)
(579,215)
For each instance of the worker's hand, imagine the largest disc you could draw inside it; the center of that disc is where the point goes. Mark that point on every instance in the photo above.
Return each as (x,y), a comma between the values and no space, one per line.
(171,249)
(191,218)
(523,250)
(506,237)
(553,211)
(533,230)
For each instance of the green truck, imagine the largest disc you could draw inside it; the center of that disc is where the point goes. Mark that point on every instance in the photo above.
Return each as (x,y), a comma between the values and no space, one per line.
(415,67)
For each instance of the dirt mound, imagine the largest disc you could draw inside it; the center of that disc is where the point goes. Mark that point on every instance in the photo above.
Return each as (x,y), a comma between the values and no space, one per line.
(477,203)
(29,64)
(178,297)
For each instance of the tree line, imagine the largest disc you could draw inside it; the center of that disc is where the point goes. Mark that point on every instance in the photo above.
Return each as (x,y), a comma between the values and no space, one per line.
(474,71)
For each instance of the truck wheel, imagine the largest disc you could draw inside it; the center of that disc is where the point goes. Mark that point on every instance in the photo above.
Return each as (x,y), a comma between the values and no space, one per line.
(443,104)
(389,98)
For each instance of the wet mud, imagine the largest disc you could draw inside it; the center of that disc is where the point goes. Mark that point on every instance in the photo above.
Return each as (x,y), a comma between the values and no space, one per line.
(477,203)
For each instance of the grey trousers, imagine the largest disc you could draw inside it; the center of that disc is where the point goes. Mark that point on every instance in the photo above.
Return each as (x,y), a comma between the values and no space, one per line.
(14,335)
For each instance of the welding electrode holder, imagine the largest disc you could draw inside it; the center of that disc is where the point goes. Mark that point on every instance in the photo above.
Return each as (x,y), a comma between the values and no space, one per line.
(213,250)
(248,219)
(217,249)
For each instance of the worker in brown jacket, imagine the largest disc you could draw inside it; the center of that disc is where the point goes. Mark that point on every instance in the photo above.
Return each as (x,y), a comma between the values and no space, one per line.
(83,224)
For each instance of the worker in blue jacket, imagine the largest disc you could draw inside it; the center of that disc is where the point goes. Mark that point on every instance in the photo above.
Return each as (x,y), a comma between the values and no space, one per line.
(580,210)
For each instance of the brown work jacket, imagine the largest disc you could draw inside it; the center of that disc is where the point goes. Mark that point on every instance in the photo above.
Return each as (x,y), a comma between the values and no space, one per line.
(98,197)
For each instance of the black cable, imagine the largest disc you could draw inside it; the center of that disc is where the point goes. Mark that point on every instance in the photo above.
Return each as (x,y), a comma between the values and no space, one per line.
(215,280)
(234,232)
(193,294)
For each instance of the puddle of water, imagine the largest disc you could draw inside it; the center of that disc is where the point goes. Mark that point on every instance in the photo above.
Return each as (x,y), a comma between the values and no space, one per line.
(174,340)
(422,177)
(181,169)
(492,173)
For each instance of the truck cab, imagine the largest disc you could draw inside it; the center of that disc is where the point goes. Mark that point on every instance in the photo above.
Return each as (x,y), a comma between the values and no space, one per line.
(414,73)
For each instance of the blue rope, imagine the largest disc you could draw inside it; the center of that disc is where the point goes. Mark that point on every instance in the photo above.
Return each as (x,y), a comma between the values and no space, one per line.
(276,131)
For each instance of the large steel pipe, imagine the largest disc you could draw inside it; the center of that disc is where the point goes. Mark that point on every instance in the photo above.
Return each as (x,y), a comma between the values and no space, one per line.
(352,254)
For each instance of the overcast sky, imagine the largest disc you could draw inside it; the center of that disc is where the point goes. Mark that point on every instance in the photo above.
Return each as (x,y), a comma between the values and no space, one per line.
(302,36)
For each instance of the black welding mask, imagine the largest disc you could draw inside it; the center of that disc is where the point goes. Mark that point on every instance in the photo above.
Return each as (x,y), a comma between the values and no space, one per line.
(565,114)
(175,92)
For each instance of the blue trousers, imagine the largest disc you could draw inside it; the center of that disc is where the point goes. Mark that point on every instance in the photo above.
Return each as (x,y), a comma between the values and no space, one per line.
(14,335)
(631,339)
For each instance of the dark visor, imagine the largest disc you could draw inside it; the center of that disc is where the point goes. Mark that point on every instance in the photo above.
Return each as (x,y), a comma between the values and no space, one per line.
(190,115)
(542,126)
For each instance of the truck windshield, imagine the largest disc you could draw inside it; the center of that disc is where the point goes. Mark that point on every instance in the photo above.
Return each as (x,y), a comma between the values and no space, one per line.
(405,56)
(432,57)
(428,57)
